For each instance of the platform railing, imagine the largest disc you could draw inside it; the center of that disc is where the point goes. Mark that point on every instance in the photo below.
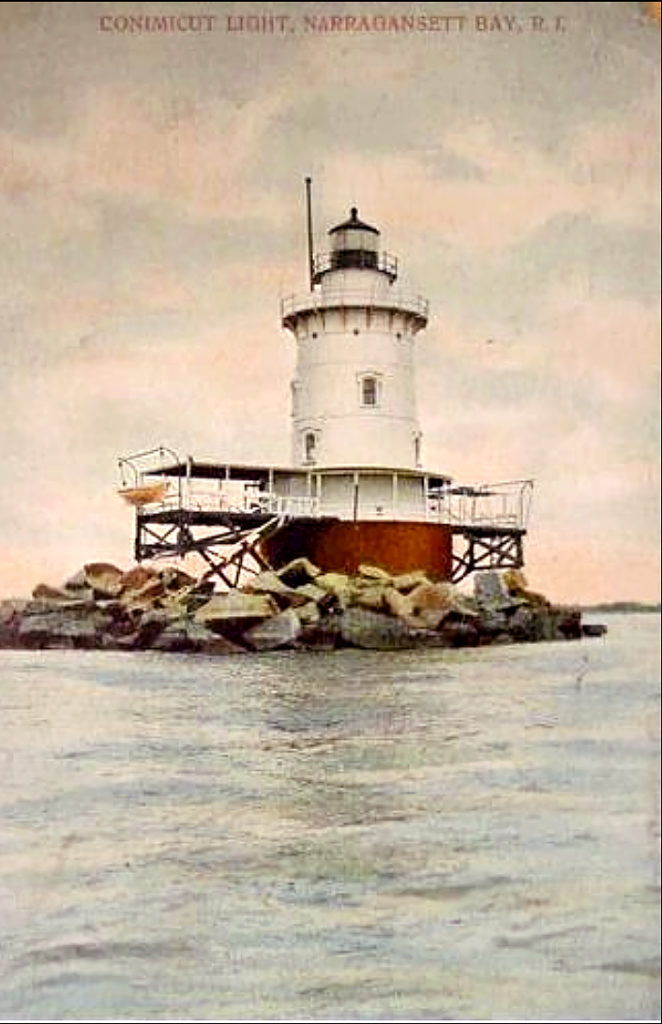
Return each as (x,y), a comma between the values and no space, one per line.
(505,504)
(502,505)
(133,468)
(196,497)
(139,481)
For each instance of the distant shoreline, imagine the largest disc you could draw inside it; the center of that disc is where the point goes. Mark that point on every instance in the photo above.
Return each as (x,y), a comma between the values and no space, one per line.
(623,606)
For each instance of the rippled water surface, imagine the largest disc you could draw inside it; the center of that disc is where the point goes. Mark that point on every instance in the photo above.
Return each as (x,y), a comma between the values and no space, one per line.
(413,835)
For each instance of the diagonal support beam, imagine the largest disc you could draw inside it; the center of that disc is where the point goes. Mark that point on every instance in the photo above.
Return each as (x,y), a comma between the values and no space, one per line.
(229,552)
(496,550)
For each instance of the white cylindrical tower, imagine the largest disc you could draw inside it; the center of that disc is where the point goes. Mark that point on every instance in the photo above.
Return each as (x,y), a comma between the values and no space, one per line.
(353,396)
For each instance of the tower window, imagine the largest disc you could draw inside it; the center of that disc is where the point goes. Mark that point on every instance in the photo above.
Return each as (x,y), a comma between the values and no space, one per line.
(417,448)
(295,386)
(369,385)
(369,391)
(309,446)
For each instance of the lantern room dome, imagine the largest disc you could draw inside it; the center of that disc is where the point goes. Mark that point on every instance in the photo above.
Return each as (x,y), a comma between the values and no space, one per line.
(353,224)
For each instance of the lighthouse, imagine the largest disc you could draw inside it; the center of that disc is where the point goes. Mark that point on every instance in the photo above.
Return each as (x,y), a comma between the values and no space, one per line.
(353,394)
(356,490)
(355,427)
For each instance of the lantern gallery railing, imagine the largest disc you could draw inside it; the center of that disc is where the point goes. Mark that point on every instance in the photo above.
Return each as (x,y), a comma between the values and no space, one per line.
(348,259)
(354,297)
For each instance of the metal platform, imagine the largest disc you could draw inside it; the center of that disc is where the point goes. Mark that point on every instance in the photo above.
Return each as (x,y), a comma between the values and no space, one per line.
(228,530)
(486,547)
(228,542)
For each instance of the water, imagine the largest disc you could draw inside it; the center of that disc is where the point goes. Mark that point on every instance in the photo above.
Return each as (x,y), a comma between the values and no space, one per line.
(405,836)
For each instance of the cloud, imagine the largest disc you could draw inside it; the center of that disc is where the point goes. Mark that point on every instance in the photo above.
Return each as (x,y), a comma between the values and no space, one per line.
(217,393)
(573,403)
(145,149)
(608,345)
(511,189)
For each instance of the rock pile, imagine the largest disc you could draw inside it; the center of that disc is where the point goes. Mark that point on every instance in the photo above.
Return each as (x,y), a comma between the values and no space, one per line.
(298,607)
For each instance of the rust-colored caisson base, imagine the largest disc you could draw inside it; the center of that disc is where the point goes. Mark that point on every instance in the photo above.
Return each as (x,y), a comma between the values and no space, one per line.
(341,546)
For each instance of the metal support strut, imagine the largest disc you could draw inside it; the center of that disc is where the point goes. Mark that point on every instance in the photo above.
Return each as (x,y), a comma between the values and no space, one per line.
(487,548)
(230,551)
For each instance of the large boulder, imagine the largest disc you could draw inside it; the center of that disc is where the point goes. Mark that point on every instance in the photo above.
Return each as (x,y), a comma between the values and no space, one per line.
(174,579)
(143,588)
(456,632)
(269,582)
(62,628)
(492,625)
(532,623)
(137,578)
(593,629)
(103,579)
(11,610)
(406,581)
(515,582)
(312,592)
(490,591)
(118,620)
(428,604)
(188,599)
(44,592)
(337,584)
(280,631)
(568,622)
(235,612)
(151,624)
(323,598)
(360,627)
(432,602)
(321,636)
(199,590)
(77,587)
(184,636)
(397,603)
(74,608)
(309,614)
(373,572)
(77,582)
(525,625)
(150,595)
(369,595)
(298,572)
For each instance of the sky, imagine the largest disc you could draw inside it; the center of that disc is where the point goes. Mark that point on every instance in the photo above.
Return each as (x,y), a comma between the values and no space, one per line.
(151,202)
